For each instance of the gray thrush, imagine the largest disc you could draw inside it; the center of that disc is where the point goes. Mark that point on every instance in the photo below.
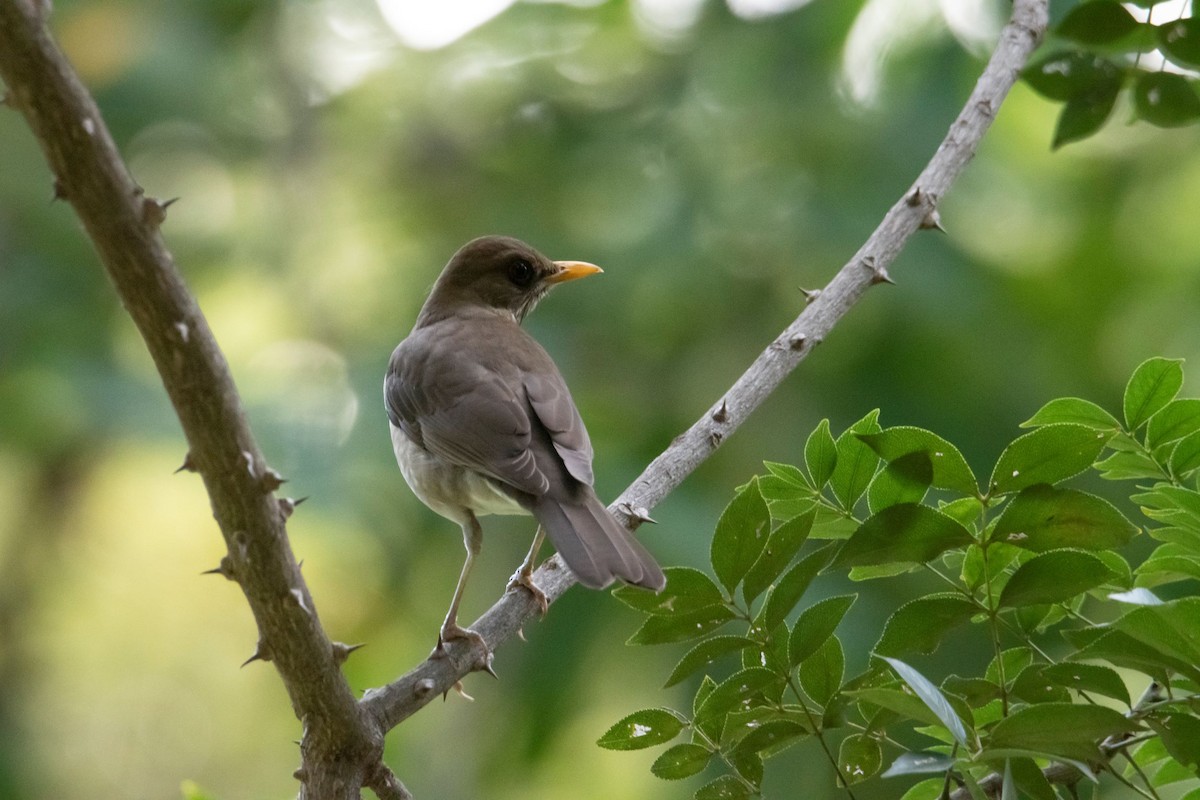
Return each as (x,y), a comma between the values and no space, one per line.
(482,421)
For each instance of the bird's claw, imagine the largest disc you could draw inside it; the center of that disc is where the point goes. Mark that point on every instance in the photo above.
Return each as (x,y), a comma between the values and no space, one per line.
(524,579)
(451,631)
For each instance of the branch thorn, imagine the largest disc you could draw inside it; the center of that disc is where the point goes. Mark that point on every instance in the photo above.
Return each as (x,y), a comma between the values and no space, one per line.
(932,221)
(154,211)
(298,595)
(60,191)
(187,464)
(341,651)
(810,294)
(722,413)
(224,568)
(287,505)
(271,480)
(261,653)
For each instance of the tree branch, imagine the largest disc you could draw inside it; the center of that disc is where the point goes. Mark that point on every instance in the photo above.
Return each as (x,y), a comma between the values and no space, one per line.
(343,739)
(917,209)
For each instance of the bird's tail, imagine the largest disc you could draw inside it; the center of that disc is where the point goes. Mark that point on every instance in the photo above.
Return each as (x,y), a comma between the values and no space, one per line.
(595,546)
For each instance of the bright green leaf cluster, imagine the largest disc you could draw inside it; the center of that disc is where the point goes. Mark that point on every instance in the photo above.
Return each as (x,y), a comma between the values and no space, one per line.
(1023,563)
(1106,53)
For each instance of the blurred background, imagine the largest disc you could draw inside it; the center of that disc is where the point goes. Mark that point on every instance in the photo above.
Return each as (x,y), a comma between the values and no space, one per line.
(714,156)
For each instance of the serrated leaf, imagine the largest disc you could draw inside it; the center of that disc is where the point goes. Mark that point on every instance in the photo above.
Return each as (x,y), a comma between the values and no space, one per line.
(1067,74)
(1060,729)
(735,693)
(772,735)
(1181,40)
(1029,779)
(1128,465)
(1086,112)
(687,590)
(905,480)
(1122,650)
(782,546)
(1097,22)
(909,532)
(856,463)
(792,586)
(859,758)
(1043,518)
(950,469)
(740,536)
(932,697)
(659,629)
(1074,411)
(919,625)
(1089,678)
(1171,628)
(1054,576)
(725,787)
(641,729)
(1181,736)
(816,624)
(681,761)
(1173,421)
(1153,384)
(1048,454)
(1165,99)
(920,763)
(706,653)
(820,454)
(821,674)
(1186,456)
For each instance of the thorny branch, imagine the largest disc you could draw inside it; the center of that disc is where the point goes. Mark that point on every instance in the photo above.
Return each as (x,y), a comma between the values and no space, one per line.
(343,738)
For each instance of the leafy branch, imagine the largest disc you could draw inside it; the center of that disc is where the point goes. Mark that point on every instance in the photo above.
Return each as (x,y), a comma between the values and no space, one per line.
(343,737)
(1024,555)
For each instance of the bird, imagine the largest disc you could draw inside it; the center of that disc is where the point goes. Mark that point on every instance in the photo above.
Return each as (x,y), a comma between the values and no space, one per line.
(482,422)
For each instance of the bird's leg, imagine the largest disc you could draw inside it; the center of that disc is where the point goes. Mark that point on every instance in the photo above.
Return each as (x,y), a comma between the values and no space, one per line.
(473,539)
(524,574)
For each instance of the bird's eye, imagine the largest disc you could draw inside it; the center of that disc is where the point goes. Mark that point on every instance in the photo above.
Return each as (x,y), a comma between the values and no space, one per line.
(521,272)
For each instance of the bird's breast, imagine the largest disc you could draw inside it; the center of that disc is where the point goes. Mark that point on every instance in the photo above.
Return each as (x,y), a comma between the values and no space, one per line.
(449,489)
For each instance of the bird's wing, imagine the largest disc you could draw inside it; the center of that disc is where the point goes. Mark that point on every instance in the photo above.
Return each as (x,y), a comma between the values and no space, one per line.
(468,415)
(552,403)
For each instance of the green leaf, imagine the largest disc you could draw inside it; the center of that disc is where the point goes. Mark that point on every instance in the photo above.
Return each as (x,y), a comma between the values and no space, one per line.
(641,729)
(820,454)
(920,764)
(919,625)
(907,532)
(1030,780)
(687,590)
(904,480)
(1043,518)
(1171,628)
(1122,650)
(1097,22)
(739,691)
(821,674)
(773,735)
(1068,74)
(706,653)
(950,469)
(816,625)
(725,787)
(1128,465)
(1174,421)
(1049,454)
(932,697)
(1060,729)
(856,463)
(741,535)
(1181,40)
(792,586)
(859,758)
(782,546)
(659,629)
(1165,99)
(1074,411)
(1153,384)
(1186,455)
(1054,576)
(1086,112)
(1181,735)
(1035,679)
(681,761)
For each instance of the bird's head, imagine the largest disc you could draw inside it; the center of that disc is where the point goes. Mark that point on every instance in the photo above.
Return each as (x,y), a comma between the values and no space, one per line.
(499,273)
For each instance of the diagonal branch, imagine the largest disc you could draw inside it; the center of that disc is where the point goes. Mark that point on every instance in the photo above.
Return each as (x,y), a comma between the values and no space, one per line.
(917,209)
(343,739)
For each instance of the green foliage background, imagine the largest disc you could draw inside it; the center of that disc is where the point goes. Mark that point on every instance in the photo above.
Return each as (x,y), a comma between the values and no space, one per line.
(712,167)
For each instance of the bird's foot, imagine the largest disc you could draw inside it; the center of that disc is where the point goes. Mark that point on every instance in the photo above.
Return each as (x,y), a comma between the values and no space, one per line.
(451,631)
(523,577)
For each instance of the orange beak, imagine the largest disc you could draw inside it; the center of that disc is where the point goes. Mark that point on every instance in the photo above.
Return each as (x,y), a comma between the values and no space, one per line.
(571,270)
